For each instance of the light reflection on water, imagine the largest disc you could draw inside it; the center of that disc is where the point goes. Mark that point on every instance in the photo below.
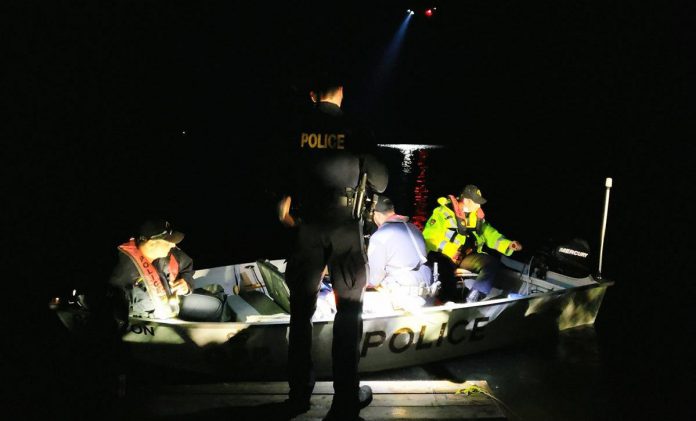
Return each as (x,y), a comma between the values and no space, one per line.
(420,191)
(407,151)
(418,167)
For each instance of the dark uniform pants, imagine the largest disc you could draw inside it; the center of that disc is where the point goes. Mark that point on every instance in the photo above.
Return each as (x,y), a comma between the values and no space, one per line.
(338,245)
(202,306)
(485,265)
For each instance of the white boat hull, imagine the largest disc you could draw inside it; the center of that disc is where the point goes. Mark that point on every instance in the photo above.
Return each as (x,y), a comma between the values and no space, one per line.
(257,348)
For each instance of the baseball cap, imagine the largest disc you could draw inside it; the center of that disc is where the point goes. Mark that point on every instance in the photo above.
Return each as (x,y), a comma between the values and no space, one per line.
(384,204)
(472,192)
(157,229)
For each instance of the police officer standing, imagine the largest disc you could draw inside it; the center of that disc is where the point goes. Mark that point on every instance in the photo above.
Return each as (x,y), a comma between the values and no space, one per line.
(323,204)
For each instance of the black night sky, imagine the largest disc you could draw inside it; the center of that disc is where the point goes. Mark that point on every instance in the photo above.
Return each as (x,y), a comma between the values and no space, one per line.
(127,110)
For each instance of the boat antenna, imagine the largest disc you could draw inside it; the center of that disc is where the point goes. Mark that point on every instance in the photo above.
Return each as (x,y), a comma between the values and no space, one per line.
(608,184)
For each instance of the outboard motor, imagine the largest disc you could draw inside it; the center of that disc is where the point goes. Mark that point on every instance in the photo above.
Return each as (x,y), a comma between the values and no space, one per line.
(571,258)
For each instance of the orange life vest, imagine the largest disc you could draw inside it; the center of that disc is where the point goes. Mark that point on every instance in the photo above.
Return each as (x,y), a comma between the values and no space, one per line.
(156,289)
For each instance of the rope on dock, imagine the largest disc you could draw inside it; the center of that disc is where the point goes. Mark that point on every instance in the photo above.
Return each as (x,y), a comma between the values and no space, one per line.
(471,389)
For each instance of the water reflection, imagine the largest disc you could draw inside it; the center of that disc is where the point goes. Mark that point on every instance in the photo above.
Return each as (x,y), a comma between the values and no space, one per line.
(420,191)
(418,197)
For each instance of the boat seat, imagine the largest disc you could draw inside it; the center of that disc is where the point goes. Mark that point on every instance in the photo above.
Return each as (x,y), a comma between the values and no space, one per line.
(463,273)
(465,278)
(251,303)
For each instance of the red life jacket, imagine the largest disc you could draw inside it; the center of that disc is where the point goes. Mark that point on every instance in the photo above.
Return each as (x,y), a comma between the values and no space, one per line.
(156,290)
(480,215)
(473,222)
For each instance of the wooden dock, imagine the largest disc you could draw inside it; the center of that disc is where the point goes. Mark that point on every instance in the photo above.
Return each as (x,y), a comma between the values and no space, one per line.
(260,401)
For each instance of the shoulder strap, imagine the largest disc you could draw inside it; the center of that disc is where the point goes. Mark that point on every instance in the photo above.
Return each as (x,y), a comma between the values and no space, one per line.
(415,245)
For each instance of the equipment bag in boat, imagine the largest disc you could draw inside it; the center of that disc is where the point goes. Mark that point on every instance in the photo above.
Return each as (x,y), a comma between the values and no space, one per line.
(274,281)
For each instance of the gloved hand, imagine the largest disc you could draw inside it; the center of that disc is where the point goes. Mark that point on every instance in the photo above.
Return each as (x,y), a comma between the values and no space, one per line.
(180,287)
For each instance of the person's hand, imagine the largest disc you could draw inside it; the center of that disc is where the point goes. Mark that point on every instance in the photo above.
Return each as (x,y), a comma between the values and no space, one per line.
(284,212)
(515,246)
(180,287)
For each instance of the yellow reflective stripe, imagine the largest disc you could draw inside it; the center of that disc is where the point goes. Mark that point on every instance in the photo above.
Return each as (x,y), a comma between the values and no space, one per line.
(502,246)
(450,249)
(471,223)
(442,245)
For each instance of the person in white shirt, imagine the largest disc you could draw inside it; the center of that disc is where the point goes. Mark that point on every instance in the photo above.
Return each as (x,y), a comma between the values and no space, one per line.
(396,255)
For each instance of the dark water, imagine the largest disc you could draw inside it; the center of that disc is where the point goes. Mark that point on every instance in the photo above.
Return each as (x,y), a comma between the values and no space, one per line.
(562,378)
(630,363)
(173,110)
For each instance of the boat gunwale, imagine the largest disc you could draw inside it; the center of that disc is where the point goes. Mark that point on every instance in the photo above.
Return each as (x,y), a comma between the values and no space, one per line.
(399,313)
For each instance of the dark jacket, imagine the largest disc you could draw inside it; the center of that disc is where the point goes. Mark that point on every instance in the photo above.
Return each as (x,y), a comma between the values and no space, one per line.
(326,156)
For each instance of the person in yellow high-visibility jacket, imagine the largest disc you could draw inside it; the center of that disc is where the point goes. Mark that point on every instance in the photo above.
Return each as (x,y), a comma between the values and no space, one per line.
(455,236)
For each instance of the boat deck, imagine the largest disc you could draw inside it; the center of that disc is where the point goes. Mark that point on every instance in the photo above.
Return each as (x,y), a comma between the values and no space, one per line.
(404,400)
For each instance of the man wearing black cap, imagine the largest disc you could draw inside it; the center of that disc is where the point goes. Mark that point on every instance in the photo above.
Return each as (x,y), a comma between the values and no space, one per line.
(331,172)
(156,276)
(455,236)
(396,254)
